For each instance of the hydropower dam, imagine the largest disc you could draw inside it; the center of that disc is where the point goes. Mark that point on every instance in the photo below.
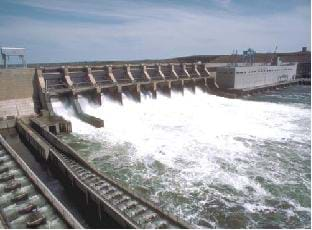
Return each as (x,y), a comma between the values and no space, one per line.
(167,161)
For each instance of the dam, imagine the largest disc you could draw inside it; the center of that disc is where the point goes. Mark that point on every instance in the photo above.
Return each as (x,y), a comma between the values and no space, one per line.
(139,146)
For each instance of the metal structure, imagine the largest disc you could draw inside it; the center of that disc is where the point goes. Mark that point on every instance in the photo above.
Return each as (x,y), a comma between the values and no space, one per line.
(7,52)
(249,56)
(273,56)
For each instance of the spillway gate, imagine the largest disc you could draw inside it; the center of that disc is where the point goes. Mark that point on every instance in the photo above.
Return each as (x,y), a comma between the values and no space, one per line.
(113,80)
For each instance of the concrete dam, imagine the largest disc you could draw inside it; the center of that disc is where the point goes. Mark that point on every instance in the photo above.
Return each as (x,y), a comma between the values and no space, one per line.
(113,81)
(96,200)
(100,194)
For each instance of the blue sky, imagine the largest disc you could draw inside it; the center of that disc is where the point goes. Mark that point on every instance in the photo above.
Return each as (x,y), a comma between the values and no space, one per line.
(80,30)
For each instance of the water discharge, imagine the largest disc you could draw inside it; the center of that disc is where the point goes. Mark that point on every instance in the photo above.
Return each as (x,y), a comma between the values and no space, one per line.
(217,162)
(10,204)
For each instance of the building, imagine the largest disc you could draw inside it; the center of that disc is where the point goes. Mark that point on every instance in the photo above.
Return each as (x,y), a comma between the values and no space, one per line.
(242,77)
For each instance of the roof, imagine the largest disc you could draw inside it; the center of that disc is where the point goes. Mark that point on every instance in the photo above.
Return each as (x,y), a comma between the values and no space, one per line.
(13,51)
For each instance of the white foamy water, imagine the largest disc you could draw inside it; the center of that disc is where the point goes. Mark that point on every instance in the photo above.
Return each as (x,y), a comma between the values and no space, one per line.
(220,162)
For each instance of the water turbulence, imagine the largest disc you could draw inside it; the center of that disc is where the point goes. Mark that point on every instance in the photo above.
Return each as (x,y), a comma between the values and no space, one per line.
(215,161)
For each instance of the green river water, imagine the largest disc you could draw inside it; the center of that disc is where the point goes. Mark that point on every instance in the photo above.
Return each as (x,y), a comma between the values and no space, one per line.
(217,162)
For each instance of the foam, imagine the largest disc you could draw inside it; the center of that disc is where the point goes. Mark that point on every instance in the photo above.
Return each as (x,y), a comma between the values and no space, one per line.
(203,139)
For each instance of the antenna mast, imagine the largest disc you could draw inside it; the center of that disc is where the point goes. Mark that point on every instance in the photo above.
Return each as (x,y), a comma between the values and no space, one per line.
(273,55)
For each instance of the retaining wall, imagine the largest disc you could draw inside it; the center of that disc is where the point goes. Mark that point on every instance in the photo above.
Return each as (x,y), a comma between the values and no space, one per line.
(16,92)
(16,83)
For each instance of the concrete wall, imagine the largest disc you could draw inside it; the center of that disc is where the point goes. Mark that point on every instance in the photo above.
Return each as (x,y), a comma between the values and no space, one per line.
(16,91)
(16,107)
(16,83)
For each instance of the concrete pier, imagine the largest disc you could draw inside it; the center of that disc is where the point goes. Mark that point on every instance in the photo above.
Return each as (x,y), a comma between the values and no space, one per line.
(133,90)
(94,121)
(150,87)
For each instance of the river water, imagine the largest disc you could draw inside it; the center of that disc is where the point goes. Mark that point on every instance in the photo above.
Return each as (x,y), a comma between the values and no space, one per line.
(216,162)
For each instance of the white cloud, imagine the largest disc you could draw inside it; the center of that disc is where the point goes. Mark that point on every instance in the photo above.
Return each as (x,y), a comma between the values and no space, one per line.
(155,32)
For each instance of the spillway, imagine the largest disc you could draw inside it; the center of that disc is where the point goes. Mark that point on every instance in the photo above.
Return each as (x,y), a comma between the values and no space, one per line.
(213,161)
(21,205)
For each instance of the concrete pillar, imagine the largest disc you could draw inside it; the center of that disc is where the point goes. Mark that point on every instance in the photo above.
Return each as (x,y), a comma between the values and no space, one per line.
(110,73)
(114,92)
(48,105)
(164,87)
(40,88)
(150,87)
(41,81)
(175,75)
(154,90)
(185,70)
(206,70)
(97,96)
(97,93)
(159,71)
(128,73)
(68,81)
(133,90)
(178,85)
(90,76)
(145,73)
(196,70)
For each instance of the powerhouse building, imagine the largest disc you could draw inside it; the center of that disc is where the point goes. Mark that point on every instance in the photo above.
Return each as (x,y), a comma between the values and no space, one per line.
(241,77)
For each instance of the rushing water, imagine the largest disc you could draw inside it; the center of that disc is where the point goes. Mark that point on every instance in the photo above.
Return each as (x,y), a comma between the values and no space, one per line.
(217,162)
(9,209)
